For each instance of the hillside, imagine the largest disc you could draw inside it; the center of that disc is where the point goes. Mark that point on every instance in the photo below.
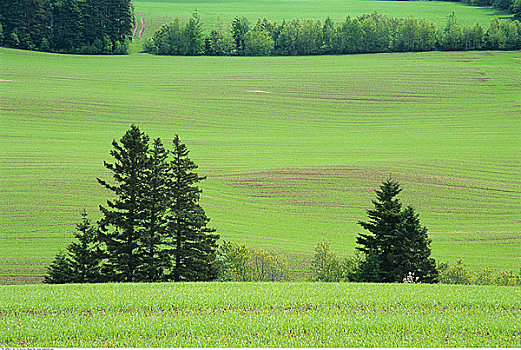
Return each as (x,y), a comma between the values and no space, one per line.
(293,147)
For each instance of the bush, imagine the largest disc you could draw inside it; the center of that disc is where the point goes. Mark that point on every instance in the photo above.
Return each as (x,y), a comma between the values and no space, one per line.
(240,263)
(459,273)
(268,266)
(327,267)
(454,274)
(233,260)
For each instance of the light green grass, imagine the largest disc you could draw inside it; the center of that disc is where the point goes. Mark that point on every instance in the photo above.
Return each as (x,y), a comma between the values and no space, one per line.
(285,169)
(260,315)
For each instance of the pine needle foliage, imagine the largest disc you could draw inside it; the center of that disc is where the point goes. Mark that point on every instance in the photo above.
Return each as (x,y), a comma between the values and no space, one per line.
(193,244)
(396,244)
(123,216)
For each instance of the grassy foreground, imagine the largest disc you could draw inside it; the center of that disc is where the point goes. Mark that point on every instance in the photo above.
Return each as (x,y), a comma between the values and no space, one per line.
(286,167)
(259,314)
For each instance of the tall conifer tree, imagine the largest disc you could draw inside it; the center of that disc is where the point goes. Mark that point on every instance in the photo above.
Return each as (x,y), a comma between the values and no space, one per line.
(193,244)
(123,217)
(155,187)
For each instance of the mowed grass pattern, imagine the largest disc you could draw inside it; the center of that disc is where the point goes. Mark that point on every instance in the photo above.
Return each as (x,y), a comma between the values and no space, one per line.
(293,146)
(260,315)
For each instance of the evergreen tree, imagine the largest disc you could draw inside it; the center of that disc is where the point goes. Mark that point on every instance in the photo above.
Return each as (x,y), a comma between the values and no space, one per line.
(193,37)
(192,244)
(84,255)
(81,262)
(152,233)
(396,243)
(60,271)
(122,221)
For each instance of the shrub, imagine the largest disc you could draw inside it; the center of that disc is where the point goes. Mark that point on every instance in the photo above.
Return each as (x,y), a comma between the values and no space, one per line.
(327,267)
(240,263)
(454,274)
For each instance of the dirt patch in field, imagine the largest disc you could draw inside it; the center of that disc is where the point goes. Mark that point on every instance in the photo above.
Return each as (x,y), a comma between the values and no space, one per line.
(260,92)
(323,187)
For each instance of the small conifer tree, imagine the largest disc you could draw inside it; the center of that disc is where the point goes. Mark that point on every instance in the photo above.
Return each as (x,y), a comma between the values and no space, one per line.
(85,255)
(81,262)
(396,243)
(59,272)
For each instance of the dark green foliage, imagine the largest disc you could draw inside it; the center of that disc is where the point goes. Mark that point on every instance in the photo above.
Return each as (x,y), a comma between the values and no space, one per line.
(123,217)
(396,243)
(219,43)
(68,26)
(193,37)
(179,38)
(155,199)
(366,33)
(81,263)
(192,244)
(153,230)
(85,255)
(59,272)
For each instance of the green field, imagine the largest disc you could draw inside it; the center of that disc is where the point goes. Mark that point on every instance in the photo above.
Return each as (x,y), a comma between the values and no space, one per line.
(286,168)
(158,12)
(260,315)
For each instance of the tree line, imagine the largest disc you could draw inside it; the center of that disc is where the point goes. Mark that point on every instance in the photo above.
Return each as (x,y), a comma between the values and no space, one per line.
(67,26)
(152,230)
(371,33)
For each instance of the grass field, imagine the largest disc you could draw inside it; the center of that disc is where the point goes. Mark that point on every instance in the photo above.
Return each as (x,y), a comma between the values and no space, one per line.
(286,168)
(259,315)
(157,12)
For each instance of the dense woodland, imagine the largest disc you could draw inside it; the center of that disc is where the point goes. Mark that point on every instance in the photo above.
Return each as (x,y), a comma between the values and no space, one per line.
(67,26)
(364,34)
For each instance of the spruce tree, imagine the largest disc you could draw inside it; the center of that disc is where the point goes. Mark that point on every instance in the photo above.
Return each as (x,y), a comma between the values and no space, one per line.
(192,244)
(84,255)
(123,218)
(155,200)
(60,271)
(396,243)
(81,262)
